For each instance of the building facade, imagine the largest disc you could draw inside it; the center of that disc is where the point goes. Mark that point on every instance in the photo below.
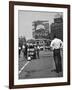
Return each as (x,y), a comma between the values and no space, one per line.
(57,28)
(41,35)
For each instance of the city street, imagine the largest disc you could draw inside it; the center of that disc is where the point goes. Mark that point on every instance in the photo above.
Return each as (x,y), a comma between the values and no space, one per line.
(37,68)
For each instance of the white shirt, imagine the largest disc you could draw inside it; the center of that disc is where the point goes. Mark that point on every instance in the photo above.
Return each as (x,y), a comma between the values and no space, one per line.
(38,47)
(23,46)
(19,47)
(56,44)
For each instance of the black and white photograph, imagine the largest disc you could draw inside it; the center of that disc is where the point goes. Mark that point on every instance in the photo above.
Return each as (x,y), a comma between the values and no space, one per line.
(39,44)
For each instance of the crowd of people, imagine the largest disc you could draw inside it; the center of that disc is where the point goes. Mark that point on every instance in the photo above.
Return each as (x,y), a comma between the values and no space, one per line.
(56,45)
(24,48)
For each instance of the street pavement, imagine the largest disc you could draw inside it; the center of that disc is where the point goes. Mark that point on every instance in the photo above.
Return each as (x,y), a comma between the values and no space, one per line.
(37,68)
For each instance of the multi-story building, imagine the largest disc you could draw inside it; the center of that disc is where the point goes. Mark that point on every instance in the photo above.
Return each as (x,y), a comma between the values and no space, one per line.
(41,35)
(57,28)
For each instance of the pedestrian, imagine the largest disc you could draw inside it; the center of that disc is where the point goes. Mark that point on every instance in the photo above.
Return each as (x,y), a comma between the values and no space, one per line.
(35,49)
(56,45)
(20,48)
(38,49)
(25,51)
(19,51)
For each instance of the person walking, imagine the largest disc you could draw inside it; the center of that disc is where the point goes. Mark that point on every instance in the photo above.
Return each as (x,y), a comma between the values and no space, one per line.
(38,49)
(20,48)
(56,45)
(24,50)
(35,49)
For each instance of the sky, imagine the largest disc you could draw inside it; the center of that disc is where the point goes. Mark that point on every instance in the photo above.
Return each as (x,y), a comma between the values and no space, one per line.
(25,19)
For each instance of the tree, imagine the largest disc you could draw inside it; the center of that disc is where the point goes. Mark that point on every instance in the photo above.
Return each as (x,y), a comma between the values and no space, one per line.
(22,40)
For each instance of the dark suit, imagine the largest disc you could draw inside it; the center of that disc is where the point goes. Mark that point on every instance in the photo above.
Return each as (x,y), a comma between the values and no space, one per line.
(57,59)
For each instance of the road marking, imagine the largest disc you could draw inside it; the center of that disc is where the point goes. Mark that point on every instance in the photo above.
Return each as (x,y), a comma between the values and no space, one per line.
(24,66)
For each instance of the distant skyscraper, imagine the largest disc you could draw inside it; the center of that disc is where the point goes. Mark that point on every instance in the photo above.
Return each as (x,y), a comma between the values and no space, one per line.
(57,28)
